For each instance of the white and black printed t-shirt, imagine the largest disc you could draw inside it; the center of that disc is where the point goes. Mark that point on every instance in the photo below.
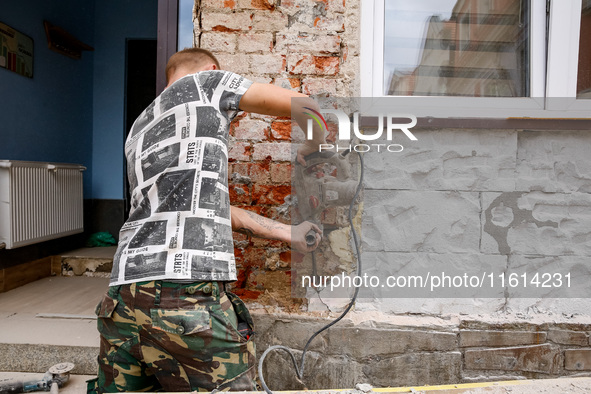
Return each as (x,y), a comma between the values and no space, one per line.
(177,162)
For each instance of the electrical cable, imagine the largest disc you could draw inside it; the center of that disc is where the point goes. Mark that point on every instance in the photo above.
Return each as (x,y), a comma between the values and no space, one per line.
(300,369)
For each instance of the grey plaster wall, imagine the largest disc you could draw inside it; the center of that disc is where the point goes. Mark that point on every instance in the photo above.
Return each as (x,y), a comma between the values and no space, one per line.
(476,201)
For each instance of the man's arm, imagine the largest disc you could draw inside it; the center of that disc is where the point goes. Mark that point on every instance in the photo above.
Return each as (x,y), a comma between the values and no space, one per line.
(251,224)
(272,100)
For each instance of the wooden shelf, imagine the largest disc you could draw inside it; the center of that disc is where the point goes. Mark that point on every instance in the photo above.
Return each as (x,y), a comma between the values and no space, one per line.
(63,42)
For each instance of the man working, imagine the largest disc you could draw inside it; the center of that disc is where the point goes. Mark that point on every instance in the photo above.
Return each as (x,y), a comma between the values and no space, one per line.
(166,322)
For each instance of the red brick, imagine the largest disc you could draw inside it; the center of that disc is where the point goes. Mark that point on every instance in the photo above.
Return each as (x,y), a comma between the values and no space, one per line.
(239,237)
(314,65)
(257,4)
(276,151)
(326,65)
(267,243)
(246,294)
(239,194)
(226,22)
(259,173)
(255,42)
(268,64)
(229,4)
(264,21)
(258,79)
(291,3)
(239,168)
(242,275)
(288,257)
(219,42)
(239,151)
(281,173)
(332,23)
(281,130)
(320,44)
(279,213)
(288,83)
(255,257)
(235,63)
(345,52)
(336,5)
(319,86)
(271,195)
(250,129)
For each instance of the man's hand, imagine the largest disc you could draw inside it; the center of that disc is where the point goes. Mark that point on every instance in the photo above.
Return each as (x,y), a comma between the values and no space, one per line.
(303,151)
(251,224)
(298,237)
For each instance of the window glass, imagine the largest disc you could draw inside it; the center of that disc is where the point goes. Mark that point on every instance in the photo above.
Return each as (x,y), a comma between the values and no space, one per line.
(584,73)
(472,48)
(185,24)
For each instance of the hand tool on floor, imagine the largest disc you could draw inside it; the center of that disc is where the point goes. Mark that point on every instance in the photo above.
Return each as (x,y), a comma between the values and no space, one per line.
(52,380)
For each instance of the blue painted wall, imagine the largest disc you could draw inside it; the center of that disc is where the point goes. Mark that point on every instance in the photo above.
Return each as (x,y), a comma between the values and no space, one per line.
(73,110)
(115,21)
(49,117)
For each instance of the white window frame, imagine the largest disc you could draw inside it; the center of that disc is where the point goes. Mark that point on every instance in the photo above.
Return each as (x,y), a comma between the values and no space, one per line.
(553,91)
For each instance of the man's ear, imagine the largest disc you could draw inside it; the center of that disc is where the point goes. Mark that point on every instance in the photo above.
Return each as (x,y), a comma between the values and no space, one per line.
(210,66)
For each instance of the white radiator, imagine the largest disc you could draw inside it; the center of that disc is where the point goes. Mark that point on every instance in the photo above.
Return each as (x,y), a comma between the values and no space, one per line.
(39,201)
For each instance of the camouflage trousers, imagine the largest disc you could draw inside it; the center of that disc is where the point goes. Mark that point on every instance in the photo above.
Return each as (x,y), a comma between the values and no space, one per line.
(163,336)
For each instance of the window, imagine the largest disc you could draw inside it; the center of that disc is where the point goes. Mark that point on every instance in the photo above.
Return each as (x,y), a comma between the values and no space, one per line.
(185,24)
(489,58)
(175,32)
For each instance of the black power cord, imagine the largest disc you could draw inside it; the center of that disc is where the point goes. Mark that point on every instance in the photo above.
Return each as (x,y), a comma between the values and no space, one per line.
(300,369)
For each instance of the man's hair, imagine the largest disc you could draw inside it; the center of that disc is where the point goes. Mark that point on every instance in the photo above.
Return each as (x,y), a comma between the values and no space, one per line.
(191,57)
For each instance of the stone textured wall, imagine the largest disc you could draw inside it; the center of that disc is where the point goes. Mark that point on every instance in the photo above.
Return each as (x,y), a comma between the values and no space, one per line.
(422,351)
(510,199)
(310,47)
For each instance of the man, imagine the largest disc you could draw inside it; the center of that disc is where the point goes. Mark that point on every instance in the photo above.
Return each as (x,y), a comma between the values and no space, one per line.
(166,322)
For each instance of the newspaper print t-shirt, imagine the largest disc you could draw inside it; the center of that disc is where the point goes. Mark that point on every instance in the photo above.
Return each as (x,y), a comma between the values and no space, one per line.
(177,157)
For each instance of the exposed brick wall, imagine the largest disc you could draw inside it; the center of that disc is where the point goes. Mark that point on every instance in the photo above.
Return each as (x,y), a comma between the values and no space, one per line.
(306,46)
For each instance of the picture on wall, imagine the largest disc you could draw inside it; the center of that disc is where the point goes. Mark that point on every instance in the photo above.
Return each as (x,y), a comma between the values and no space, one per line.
(16,51)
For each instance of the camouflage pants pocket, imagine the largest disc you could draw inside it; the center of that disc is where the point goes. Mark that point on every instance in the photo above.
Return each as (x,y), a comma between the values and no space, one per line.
(187,340)
(201,346)
(245,322)
(227,322)
(120,367)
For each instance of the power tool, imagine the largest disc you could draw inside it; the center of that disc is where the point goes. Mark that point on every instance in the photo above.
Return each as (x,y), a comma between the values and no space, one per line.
(324,182)
(52,380)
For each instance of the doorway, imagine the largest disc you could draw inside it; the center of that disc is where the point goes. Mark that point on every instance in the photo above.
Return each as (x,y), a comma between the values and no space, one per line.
(140,87)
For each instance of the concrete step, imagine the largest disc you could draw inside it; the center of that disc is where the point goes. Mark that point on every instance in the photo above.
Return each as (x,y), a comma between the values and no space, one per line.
(50,321)
(94,262)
